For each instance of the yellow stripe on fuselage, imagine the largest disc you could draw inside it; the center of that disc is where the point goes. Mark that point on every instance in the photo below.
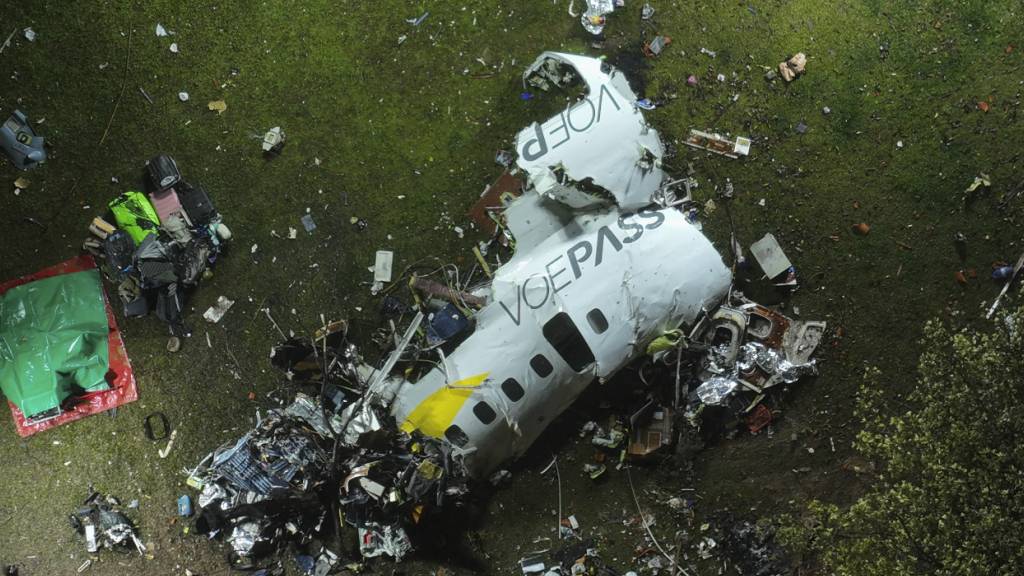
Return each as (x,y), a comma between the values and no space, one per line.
(437,412)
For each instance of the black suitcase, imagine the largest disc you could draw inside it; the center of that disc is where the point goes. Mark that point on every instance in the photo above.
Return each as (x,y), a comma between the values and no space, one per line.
(196,203)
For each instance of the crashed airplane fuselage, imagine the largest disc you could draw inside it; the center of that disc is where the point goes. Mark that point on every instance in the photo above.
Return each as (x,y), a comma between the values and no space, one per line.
(599,151)
(585,292)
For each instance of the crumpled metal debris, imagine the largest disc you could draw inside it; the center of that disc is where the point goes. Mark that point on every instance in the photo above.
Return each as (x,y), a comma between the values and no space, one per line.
(774,362)
(274,486)
(751,347)
(103,525)
(376,540)
(593,18)
(716,390)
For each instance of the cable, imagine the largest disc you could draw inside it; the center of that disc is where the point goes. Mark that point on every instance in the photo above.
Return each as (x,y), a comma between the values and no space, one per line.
(643,519)
(558,476)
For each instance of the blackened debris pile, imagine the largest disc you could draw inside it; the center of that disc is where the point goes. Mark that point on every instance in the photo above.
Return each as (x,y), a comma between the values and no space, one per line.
(102,523)
(320,459)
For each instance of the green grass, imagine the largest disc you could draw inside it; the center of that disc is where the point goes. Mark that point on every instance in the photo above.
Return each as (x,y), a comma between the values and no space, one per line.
(387,120)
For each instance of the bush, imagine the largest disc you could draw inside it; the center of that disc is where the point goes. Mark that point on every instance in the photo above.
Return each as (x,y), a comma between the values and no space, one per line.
(949,495)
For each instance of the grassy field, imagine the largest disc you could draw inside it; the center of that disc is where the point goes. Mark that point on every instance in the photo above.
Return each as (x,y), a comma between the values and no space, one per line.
(370,121)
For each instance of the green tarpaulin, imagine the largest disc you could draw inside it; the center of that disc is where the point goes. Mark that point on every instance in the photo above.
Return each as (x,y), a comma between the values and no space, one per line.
(53,340)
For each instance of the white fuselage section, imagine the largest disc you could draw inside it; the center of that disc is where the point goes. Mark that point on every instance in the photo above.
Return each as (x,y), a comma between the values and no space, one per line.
(580,304)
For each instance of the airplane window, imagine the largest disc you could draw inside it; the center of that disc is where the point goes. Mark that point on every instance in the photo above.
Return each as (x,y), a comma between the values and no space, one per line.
(597,321)
(484,412)
(541,365)
(564,337)
(456,436)
(512,389)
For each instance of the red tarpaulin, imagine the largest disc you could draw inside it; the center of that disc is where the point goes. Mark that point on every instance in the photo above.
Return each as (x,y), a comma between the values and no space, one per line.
(119,377)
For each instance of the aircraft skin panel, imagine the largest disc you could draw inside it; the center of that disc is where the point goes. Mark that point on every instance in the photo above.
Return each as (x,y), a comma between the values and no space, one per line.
(437,412)
(602,138)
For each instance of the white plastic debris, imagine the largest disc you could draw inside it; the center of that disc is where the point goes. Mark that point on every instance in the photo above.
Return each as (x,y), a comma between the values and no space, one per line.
(183,96)
(418,20)
(160,30)
(272,138)
(163,452)
(90,538)
(216,312)
(30,34)
(770,256)
(174,47)
(292,233)
(382,266)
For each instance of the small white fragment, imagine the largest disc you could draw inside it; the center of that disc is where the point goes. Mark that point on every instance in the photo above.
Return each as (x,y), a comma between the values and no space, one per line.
(183,96)
(30,34)
(254,248)
(174,47)
(459,231)
(899,143)
(160,30)
(292,233)
(382,267)
(163,452)
(214,313)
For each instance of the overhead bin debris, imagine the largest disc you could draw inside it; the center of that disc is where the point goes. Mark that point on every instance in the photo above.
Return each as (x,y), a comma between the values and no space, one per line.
(719,144)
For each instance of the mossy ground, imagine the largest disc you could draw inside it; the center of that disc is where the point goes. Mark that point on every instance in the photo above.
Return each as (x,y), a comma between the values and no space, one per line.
(369,120)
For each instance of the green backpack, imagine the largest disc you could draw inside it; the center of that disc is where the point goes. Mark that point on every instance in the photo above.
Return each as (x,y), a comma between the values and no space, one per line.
(135,215)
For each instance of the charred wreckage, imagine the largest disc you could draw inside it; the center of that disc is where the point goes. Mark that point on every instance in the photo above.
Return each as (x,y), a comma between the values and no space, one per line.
(608,267)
